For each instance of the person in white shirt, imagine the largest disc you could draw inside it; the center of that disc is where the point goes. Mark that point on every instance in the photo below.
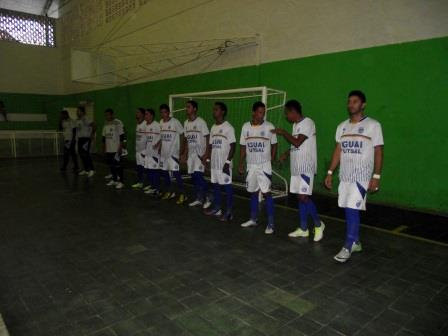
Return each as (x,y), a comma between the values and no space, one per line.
(258,146)
(85,132)
(152,156)
(68,127)
(171,136)
(220,155)
(140,147)
(113,146)
(195,144)
(359,151)
(303,159)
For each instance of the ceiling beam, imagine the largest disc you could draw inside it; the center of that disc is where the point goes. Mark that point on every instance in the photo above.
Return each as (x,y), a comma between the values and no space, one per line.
(47,6)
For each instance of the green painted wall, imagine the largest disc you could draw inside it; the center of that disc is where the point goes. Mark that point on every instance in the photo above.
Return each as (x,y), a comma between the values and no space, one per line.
(406,85)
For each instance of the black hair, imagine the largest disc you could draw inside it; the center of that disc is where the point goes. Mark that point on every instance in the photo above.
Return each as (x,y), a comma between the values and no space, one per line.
(193,103)
(150,111)
(82,108)
(64,113)
(2,104)
(141,109)
(109,110)
(222,106)
(258,104)
(294,105)
(359,94)
(164,107)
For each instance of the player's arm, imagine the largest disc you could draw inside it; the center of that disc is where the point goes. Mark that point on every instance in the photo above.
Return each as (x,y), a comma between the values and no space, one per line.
(273,151)
(333,165)
(374,184)
(284,155)
(92,134)
(226,168)
(242,159)
(207,143)
(295,141)
(183,148)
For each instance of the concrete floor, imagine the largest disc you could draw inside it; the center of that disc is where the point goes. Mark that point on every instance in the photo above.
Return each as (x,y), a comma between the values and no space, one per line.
(78,258)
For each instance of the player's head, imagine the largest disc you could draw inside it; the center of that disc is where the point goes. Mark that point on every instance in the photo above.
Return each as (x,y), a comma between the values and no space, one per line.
(219,111)
(356,102)
(109,114)
(191,107)
(64,114)
(164,111)
(258,112)
(149,115)
(293,110)
(81,111)
(140,114)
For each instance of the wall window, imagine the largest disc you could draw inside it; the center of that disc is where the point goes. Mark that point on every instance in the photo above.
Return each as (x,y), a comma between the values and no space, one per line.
(27,28)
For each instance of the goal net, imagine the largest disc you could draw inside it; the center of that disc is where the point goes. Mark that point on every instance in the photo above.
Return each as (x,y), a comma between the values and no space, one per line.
(239,104)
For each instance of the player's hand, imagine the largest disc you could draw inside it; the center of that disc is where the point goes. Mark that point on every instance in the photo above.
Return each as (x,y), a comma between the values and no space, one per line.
(328,182)
(226,169)
(183,158)
(279,131)
(283,158)
(241,168)
(374,185)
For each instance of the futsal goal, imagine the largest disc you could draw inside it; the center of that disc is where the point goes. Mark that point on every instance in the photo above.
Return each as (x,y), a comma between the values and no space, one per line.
(239,104)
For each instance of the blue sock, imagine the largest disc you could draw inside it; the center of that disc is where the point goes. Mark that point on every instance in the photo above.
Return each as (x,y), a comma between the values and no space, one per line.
(166,180)
(229,198)
(204,185)
(352,219)
(303,214)
(311,207)
(270,209)
(148,175)
(140,170)
(179,182)
(196,187)
(254,206)
(216,196)
(155,179)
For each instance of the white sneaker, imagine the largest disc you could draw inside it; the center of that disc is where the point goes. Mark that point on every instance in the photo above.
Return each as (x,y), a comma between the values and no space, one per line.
(147,188)
(343,255)
(356,247)
(269,230)
(119,185)
(319,232)
(249,223)
(150,191)
(108,177)
(299,233)
(195,203)
(90,173)
(111,183)
(82,172)
(207,203)
(137,185)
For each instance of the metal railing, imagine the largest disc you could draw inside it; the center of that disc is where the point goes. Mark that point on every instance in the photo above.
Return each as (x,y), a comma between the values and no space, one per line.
(16,144)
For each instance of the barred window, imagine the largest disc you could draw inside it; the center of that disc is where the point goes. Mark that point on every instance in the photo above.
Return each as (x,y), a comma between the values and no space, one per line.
(27,28)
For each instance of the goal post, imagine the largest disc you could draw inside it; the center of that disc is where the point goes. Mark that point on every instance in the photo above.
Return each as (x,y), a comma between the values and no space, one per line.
(239,104)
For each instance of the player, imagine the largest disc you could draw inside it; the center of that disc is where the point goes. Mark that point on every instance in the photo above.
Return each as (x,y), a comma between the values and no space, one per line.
(68,127)
(171,136)
(220,155)
(114,147)
(195,144)
(140,147)
(359,150)
(152,156)
(258,148)
(85,131)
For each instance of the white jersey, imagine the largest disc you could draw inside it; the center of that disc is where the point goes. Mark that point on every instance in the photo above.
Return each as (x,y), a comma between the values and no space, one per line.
(195,133)
(170,132)
(304,158)
(140,137)
(68,125)
(357,142)
(221,137)
(258,140)
(152,138)
(112,130)
(83,127)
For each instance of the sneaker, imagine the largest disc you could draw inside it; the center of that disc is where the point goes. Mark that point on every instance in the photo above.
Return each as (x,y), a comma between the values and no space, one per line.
(108,177)
(111,183)
(211,212)
(269,229)
(217,214)
(319,232)
(147,188)
(167,195)
(182,199)
(226,217)
(356,247)
(119,185)
(207,203)
(156,193)
(299,233)
(195,203)
(150,191)
(82,172)
(249,223)
(90,173)
(343,255)
(137,185)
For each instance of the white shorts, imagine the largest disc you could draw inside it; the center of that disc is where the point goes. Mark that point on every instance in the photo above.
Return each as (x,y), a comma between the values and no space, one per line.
(259,177)
(152,162)
(140,158)
(194,164)
(352,195)
(301,184)
(170,164)
(219,177)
